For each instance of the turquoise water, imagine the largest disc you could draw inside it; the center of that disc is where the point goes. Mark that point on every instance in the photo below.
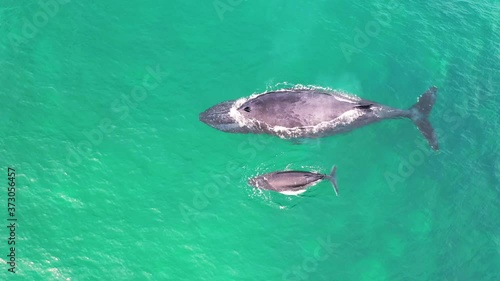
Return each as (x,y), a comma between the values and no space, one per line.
(118,180)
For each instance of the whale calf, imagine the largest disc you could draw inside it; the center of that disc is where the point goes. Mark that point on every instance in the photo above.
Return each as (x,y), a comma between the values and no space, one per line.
(312,113)
(292,182)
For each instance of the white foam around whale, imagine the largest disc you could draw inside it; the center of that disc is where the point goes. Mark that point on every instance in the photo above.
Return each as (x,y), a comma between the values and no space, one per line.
(293,192)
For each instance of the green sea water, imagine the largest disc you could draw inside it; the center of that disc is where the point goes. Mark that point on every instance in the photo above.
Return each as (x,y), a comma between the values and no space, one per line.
(117,179)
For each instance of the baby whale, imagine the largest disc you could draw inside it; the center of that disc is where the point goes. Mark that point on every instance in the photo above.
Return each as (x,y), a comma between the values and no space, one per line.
(312,113)
(292,182)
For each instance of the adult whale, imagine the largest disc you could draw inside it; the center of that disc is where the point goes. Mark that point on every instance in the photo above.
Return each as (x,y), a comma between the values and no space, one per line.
(312,113)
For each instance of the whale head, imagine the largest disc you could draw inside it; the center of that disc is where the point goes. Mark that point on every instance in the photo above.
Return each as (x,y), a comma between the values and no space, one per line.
(219,117)
(259,182)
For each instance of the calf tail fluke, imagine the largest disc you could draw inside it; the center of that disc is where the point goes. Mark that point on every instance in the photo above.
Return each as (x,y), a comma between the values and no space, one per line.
(333,179)
(419,113)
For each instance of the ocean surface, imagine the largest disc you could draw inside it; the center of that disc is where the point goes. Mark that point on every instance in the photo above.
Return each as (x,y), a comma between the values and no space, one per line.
(117,179)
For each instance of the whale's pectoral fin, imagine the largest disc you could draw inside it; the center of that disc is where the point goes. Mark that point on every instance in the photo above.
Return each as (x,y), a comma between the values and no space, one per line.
(364,106)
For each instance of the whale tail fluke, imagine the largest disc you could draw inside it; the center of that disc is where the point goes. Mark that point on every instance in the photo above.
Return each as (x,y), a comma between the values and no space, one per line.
(333,179)
(419,113)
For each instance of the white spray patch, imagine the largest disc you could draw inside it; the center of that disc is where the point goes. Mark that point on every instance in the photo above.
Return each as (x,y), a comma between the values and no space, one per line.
(236,115)
(293,192)
(302,131)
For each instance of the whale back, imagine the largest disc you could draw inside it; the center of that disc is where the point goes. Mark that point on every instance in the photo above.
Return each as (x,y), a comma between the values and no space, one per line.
(287,180)
(297,108)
